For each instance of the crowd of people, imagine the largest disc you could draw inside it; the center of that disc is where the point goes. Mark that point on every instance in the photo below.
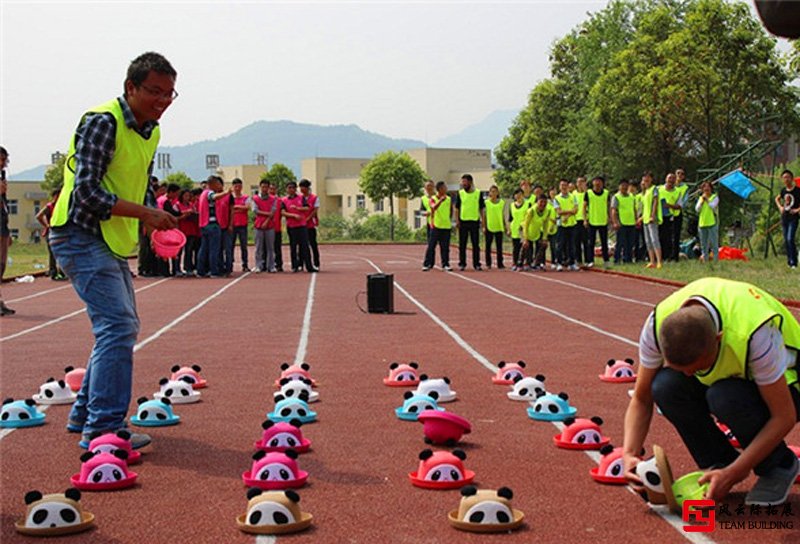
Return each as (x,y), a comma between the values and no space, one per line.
(215,219)
(569,218)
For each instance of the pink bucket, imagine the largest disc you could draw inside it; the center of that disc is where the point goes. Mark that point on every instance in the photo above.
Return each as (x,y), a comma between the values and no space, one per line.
(168,243)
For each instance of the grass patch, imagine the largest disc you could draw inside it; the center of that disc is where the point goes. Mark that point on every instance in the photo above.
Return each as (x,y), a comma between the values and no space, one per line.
(26,259)
(770,274)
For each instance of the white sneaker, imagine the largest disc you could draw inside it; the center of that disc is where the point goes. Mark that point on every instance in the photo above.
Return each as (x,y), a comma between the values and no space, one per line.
(574,267)
(590,265)
(559,268)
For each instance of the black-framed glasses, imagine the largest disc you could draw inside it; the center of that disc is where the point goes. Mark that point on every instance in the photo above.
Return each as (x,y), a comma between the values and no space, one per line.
(166,95)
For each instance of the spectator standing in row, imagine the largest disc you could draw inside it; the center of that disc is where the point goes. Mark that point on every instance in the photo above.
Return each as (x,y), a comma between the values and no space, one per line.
(209,257)
(295,209)
(312,219)
(425,210)
(596,213)
(187,223)
(441,221)
(224,207)
(169,203)
(624,219)
(266,208)
(566,208)
(471,216)
(677,221)
(516,216)
(788,202)
(535,227)
(495,226)
(669,232)
(651,219)
(584,251)
(241,208)
(5,232)
(708,223)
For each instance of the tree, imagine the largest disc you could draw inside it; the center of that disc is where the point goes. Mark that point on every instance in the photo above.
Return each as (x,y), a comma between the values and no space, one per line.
(54,175)
(391,174)
(279,175)
(180,178)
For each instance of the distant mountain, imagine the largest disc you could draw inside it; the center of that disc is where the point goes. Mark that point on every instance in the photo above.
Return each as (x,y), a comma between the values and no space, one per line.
(286,142)
(485,134)
(33,174)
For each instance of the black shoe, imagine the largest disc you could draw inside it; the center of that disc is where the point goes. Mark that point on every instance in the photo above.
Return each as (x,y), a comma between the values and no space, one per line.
(462,268)
(5,310)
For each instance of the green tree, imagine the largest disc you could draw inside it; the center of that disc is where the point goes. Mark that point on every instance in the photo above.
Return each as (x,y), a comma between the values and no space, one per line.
(280,175)
(180,178)
(391,174)
(54,175)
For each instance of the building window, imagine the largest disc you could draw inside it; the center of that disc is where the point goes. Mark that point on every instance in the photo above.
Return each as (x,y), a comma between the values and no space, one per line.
(15,233)
(361,202)
(349,201)
(37,205)
(13,206)
(418,219)
(379,205)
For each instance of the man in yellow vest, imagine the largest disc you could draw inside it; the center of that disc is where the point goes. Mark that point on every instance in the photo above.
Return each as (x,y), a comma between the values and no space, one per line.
(677,221)
(95,227)
(566,209)
(596,218)
(470,219)
(495,226)
(441,223)
(672,205)
(728,350)
(425,212)
(623,219)
(583,249)
(536,225)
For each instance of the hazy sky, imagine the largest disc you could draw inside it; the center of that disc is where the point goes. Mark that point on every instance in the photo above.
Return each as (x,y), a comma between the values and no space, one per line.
(420,70)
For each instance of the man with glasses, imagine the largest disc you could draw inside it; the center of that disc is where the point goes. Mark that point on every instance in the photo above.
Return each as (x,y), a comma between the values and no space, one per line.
(95,227)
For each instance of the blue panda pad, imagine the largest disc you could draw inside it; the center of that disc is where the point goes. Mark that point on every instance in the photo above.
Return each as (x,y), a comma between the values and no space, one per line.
(289,409)
(539,416)
(171,420)
(402,412)
(35,417)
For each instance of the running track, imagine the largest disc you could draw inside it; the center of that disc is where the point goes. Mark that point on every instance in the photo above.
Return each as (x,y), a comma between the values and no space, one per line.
(241,329)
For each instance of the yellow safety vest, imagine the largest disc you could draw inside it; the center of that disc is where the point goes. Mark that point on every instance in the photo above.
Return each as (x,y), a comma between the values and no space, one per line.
(567,204)
(626,209)
(126,177)
(469,209)
(598,208)
(494,215)
(647,206)
(708,215)
(580,197)
(670,197)
(441,217)
(517,217)
(742,309)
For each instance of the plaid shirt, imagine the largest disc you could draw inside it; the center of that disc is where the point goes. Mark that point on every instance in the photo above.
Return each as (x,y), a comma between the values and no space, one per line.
(95,142)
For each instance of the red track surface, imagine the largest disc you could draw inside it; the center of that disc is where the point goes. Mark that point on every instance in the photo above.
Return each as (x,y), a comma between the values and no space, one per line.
(190,487)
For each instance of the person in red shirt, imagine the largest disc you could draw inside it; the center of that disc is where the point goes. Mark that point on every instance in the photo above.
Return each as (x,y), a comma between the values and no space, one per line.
(265,206)
(295,209)
(312,219)
(241,208)
(187,223)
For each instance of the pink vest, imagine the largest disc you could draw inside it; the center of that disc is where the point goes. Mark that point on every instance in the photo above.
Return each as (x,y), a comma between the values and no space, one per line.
(160,201)
(224,211)
(240,216)
(189,225)
(313,222)
(291,206)
(202,208)
(265,205)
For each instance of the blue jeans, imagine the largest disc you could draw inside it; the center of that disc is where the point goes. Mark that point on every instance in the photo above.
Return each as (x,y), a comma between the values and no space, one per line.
(688,405)
(623,251)
(103,282)
(709,241)
(209,258)
(789,234)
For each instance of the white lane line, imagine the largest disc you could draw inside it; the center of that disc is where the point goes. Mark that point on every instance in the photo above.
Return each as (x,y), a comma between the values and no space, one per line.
(67,316)
(342,262)
(159,332)
(549,310)
(302,345)
(396,262)
(589,290)
(299,358)
(673,521)
(188,312)
(54,289)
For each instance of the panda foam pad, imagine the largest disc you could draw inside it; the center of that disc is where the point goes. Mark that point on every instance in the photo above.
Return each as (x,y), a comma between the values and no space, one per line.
(414,405)
(104,472)
(273,513)
(295,372)
(16,414)
(486,511)
(441,470)
(55,392)
(282,436)
(275,470)
(292,408)
(445,428)
(653,479)
(294,388)
(74,377)
(440,386)
(527,389)
(177,391)
(111,442)
(611,469)
(189,374)
(618,371)
(54,514)
(551,407)
(581,434)
(402,375)
(154,413)
(508,372)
